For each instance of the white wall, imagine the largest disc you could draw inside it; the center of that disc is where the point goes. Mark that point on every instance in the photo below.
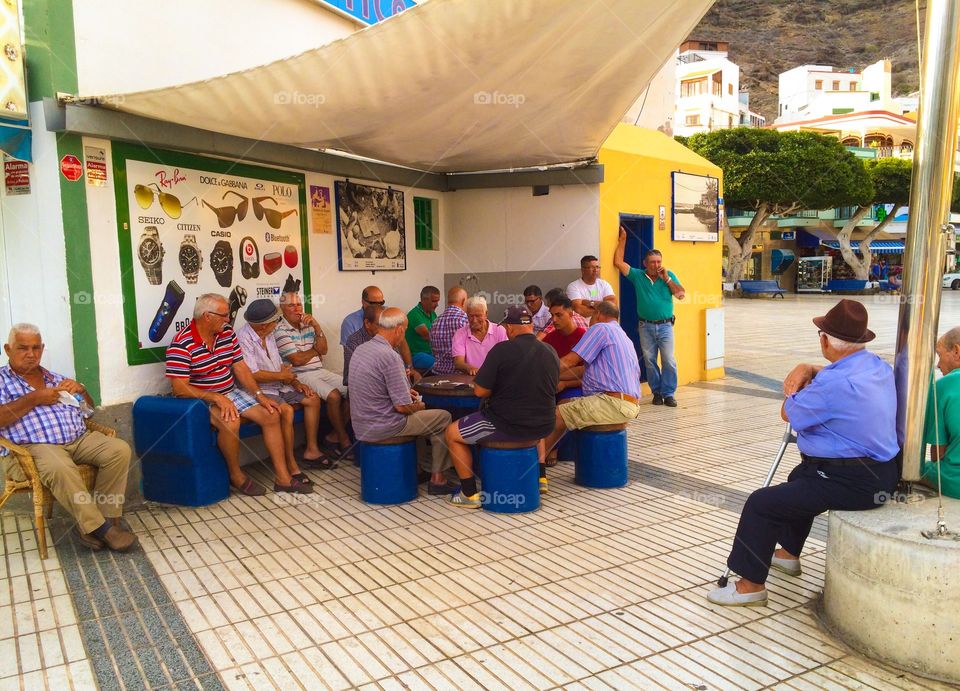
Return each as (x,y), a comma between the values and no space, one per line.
(654,109)
(334,293)
(136,45)
(501,230)
(33,270)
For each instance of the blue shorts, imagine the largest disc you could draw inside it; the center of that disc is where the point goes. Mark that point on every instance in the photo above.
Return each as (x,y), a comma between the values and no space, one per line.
(475,428)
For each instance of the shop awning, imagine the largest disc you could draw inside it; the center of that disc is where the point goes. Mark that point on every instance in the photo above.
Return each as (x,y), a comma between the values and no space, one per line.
(876,247)
(697,75)
(448,85)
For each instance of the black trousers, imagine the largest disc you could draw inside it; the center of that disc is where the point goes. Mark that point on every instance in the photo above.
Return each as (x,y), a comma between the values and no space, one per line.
(784,513)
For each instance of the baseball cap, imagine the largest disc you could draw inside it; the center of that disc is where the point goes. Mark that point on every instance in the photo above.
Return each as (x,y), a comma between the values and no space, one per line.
(517,314)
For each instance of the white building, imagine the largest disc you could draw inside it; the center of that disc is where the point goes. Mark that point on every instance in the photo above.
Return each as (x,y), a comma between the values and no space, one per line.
(708,90)
(816,91)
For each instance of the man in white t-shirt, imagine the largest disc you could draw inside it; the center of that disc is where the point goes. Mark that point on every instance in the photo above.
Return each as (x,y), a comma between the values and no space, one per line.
(589,289)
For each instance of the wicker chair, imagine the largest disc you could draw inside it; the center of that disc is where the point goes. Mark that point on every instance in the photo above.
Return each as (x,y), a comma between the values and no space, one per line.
(42,498)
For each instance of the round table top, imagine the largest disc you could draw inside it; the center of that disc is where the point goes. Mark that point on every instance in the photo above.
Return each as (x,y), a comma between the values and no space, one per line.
(456,385)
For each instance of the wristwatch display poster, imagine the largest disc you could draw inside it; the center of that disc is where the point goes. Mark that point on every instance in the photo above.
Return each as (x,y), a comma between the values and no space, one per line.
(188,230)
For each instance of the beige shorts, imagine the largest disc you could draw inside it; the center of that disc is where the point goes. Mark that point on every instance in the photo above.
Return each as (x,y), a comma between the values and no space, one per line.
(323,381)
(598,409)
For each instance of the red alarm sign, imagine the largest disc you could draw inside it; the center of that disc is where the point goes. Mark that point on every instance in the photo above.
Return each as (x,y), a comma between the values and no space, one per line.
(71,167)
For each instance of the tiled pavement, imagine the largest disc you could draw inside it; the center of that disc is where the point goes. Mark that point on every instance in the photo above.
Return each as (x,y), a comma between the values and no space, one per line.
(598,589)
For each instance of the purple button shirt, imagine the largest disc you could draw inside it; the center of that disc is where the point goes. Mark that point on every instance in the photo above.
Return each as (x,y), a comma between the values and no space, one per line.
(45,424)
(257,358)
(611,359)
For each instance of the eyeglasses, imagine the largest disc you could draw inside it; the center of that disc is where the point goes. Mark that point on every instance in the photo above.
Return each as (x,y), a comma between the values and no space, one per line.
(170,204)
(819,332)
(218,314)
(226,215)
(274,217)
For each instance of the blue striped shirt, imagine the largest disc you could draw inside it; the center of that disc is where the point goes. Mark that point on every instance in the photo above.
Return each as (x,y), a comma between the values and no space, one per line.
(611,359)
(45,424)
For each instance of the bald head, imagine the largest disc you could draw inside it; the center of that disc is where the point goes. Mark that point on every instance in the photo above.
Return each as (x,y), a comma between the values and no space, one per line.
(393,322)
(607,312)
(456,296)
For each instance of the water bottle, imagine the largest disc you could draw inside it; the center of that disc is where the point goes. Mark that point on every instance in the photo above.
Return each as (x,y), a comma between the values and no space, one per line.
(85,408)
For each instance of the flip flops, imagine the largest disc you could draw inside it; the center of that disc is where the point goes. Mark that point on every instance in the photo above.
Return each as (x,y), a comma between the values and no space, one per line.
(249,488)
(296,486)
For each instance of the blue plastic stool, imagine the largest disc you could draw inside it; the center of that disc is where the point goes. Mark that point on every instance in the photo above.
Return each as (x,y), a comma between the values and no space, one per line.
(601,456)
(567,446)
(509,476)
(388,470)
(180,461)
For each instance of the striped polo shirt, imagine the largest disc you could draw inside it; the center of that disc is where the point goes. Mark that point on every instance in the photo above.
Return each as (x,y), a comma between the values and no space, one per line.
(189,358)
(611,359)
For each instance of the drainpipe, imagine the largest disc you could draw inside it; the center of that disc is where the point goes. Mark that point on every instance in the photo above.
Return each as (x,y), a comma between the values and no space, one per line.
(927,226)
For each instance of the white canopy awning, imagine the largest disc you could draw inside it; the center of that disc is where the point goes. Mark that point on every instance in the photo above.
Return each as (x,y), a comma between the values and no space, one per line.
(449,85)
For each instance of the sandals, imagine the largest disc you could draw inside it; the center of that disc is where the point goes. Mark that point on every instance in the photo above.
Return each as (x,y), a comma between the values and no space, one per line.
(249,488)
(302,477)
(296,486)
(334,450)
(322,463)
(550,461)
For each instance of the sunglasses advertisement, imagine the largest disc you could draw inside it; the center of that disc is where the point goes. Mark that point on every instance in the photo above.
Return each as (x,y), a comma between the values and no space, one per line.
(193,231)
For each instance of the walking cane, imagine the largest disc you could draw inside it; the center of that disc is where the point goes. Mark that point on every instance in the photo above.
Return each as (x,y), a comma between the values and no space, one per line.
(789,437)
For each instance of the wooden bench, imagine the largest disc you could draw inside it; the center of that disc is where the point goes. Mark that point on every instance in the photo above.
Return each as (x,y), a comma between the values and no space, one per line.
(758,287)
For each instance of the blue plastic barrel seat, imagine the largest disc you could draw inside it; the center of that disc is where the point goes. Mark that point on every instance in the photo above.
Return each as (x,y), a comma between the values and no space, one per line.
(601,456)
(567,446)
(388,470)
(180,461)
(509,476)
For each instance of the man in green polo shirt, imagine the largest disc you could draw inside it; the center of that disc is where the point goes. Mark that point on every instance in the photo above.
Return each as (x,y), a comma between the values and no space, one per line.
(420,319)
(656,288)
(942,430)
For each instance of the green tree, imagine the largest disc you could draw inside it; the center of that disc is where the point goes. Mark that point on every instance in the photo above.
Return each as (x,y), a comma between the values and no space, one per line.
(891,185)
(775,172)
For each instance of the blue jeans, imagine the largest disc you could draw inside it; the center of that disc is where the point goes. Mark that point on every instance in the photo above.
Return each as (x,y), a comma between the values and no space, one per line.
(658,338)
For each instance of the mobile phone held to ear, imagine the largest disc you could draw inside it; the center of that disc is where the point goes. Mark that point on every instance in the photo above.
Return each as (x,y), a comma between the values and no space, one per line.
(172,299)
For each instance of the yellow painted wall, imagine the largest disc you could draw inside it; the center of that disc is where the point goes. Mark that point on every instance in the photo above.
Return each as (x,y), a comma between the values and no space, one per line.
(637,166)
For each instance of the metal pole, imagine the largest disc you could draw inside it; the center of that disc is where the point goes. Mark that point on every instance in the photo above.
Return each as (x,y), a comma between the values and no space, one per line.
(930,190)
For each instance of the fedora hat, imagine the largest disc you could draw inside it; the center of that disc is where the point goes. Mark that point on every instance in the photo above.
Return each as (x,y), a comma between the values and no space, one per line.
(847,320)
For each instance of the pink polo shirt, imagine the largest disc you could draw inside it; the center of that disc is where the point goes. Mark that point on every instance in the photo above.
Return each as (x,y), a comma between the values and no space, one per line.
(474,352)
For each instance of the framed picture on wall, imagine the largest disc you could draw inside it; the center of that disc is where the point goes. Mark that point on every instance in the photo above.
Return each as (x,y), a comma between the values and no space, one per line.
(371,235)
(696,216)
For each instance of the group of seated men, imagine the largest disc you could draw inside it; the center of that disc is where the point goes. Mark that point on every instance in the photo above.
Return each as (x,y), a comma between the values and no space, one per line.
(541,350)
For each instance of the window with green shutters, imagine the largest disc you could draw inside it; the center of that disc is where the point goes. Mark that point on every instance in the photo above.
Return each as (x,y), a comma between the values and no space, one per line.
(425,224)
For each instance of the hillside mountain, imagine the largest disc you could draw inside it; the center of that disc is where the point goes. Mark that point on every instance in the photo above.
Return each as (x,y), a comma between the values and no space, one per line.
(767,38)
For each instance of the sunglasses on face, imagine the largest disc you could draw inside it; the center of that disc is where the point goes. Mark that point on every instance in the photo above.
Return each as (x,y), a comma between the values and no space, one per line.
(274,217)
(170,204)
(226,215)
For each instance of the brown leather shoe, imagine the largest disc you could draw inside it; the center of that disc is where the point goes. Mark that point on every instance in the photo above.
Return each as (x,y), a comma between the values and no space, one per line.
(89,540)
(119,540)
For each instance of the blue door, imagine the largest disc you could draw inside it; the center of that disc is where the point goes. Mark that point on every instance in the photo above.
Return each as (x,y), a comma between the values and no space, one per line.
(639,240)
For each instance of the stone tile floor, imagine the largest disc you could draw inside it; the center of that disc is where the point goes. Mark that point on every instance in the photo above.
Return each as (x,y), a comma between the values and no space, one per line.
(598,589)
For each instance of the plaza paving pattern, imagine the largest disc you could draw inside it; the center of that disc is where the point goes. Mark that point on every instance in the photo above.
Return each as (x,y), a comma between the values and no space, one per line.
(597,589)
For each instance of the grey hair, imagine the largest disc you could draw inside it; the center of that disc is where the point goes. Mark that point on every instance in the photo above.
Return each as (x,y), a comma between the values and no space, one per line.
(207,303)
(388,321)
(843,346)
(476,301)
(22,328)
(951,338)
(608,309)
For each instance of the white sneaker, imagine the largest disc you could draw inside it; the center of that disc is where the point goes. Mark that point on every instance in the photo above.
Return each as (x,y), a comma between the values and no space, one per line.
(791,567)
(729,597)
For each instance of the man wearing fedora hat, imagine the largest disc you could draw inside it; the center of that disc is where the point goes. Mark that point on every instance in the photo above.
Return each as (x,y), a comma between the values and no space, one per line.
(278,381)
(844,415)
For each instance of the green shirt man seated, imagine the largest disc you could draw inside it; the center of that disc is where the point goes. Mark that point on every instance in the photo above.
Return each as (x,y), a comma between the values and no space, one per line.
(942,429)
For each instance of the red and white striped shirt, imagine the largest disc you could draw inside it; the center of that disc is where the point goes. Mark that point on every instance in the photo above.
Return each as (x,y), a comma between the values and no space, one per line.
(189,358)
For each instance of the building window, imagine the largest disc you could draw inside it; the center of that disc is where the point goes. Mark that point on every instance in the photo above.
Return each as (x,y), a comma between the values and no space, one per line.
(692,120)
(841,111)
(425,223)
(836,86)
(853,86)
(730,89)
(818,85)
(693,87)
(729,121)
(874,96)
